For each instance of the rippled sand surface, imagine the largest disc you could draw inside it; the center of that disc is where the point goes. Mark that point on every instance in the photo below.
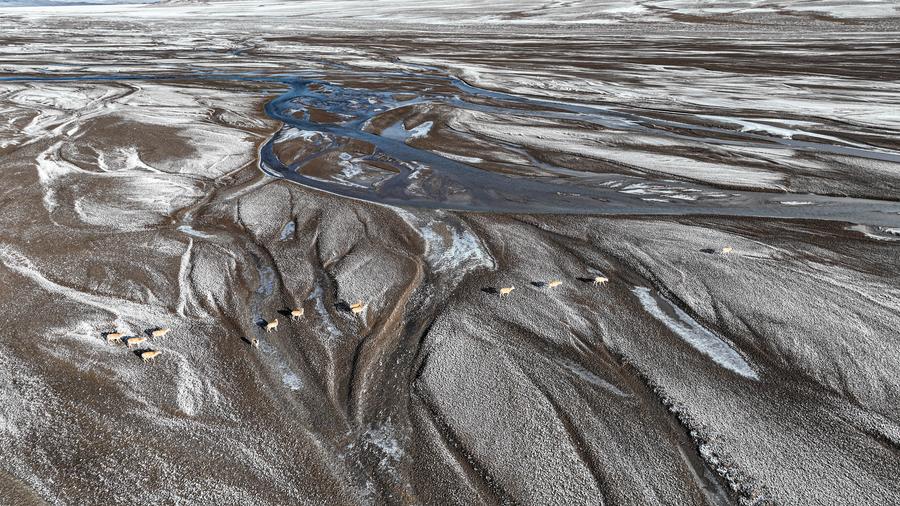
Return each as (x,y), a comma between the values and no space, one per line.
(731,173)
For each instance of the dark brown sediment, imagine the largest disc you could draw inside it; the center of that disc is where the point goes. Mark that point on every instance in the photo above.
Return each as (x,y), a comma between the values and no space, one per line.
(132,199)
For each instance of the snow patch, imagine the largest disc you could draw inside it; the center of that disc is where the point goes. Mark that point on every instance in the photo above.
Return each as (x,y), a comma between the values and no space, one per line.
(694,334)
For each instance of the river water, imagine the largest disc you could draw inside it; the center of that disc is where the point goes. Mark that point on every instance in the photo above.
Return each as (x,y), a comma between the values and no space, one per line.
(334,143)
(407,175)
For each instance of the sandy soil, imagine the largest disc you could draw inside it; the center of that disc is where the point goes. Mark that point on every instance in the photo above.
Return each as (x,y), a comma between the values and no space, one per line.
(133,199)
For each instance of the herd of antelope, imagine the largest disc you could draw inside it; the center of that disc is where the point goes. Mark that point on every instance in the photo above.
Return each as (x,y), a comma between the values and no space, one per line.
(597,280)
(131,341)
(296,314)
(149,355)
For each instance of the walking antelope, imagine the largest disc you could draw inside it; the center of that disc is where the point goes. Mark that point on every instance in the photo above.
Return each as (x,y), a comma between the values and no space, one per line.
(114,336)
(506,291)
(160,332)
(554,283)
(600,280)
(727,249)
(272,325)
(296,314)
(131,341)
(149,355)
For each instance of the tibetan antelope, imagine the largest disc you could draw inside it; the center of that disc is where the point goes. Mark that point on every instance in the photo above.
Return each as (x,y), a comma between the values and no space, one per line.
(131,341)
(272,325)
(255,342)
(159,332)
(554,283)
(114,336)
(296,314)
(600,280)
(506,291)
(149,355)
(727,249)
(357,308)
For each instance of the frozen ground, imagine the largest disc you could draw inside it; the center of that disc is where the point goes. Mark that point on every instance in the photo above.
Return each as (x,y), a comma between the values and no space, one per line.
(132,140)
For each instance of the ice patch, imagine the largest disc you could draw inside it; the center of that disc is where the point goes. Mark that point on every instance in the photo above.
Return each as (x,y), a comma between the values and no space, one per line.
(454,250)
(349,169)
(291,380)
(318,296)
(384,439)
(449,245)
(748,126)
(287,231)
(266,281)
(877,233)
(187,229)
(459,158)
(694,334)
(399,133)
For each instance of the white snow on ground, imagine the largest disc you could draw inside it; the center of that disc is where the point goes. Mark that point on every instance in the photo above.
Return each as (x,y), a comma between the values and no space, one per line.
(25,403)
(291,380)
(290,133)
(459,158)
(590,377)
(521,12)
(453,248)
(664,192)
(757,126)
(349,168)
(144,200)
(287,231)
(318,295)
(603,146)
(49,169)
(697,87)
(877,233)
(450,247)
(695,334)
(19,263)
(693,169)
(194,389)
(384,439)
(189,230)
(184,285)
(398,131)
(145,195)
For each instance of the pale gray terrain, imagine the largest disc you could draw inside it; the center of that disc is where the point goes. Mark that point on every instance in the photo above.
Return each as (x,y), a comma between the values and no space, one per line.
(209,166)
